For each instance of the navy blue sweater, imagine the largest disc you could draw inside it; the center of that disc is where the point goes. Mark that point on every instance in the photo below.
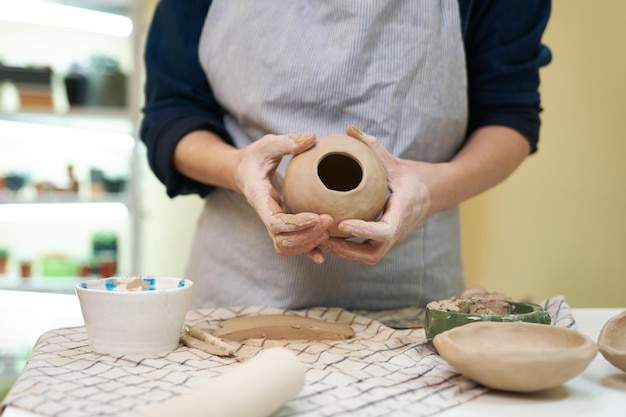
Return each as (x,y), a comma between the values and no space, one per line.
(503,51)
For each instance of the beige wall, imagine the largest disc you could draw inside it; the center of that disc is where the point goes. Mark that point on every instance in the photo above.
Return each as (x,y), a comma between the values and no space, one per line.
(558,225)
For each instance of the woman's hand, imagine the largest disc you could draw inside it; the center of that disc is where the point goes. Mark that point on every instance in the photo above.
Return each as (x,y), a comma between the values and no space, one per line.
(419,189)
(407,206)
(257,179)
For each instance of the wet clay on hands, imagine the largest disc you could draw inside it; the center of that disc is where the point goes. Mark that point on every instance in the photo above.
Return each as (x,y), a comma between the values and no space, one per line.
(280,326)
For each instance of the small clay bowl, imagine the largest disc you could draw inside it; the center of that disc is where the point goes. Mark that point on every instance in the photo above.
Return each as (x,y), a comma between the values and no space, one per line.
(612,341)
(438,321)
(516,356)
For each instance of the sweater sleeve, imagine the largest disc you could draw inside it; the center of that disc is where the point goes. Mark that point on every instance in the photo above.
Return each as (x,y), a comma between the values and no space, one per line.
(178,98)
(504,53)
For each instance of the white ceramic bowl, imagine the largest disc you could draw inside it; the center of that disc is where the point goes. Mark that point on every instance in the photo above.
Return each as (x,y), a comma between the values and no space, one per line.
(134,315)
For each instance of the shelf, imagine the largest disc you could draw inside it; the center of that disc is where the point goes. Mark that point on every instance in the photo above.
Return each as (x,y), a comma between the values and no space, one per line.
(111,130)
(58,212)
(106,119)
(59,285)
(78,162)
(95,17)
(69,197)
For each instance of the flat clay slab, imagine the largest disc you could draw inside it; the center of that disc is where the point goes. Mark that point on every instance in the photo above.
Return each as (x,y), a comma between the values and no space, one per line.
(280,326)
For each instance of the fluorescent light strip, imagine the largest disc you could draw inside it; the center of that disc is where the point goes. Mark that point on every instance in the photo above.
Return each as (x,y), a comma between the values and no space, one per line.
(54,14)
(63,212)
(67,135)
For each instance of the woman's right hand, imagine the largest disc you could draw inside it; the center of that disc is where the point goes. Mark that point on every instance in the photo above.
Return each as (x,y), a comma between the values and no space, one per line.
(259,182)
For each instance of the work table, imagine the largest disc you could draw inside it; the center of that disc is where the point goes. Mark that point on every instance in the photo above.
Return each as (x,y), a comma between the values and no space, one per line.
(599,391)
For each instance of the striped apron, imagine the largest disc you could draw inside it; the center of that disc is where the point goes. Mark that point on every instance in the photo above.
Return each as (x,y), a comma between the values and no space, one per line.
(396,69)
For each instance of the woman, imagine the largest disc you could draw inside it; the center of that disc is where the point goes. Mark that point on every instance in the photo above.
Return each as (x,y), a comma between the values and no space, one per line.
(446,92)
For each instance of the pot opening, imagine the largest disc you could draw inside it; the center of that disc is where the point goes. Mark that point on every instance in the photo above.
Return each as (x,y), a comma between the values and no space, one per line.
(339,172)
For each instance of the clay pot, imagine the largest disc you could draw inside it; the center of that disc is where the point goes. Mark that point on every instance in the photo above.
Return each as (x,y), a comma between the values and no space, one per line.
(612,341)
(516,356)
(339,176)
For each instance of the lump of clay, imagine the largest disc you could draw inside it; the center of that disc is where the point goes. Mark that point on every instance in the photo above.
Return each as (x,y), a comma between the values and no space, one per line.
(482,293)
(612,341)
(471,306)
(139,284)
(280,326)
(474,300)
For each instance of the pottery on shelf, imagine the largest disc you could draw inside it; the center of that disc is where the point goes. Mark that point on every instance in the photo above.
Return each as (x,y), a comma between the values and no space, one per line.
(516,356)
(612,341)
(339,176)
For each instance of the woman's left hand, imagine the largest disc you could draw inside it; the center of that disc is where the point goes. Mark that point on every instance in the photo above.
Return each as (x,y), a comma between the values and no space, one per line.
(420,189)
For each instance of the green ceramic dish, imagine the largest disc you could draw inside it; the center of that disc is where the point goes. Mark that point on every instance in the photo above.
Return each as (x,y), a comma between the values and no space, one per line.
(438,321)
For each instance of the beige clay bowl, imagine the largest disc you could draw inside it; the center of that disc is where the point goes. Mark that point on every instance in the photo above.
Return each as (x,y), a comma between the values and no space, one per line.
(612,341)
(516,356)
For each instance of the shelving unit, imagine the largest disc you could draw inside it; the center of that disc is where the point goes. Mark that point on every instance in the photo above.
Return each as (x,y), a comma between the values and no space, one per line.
(53,216)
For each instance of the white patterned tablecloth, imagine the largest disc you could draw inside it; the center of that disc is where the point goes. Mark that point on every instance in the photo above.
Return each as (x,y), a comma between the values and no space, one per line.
(382,371)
